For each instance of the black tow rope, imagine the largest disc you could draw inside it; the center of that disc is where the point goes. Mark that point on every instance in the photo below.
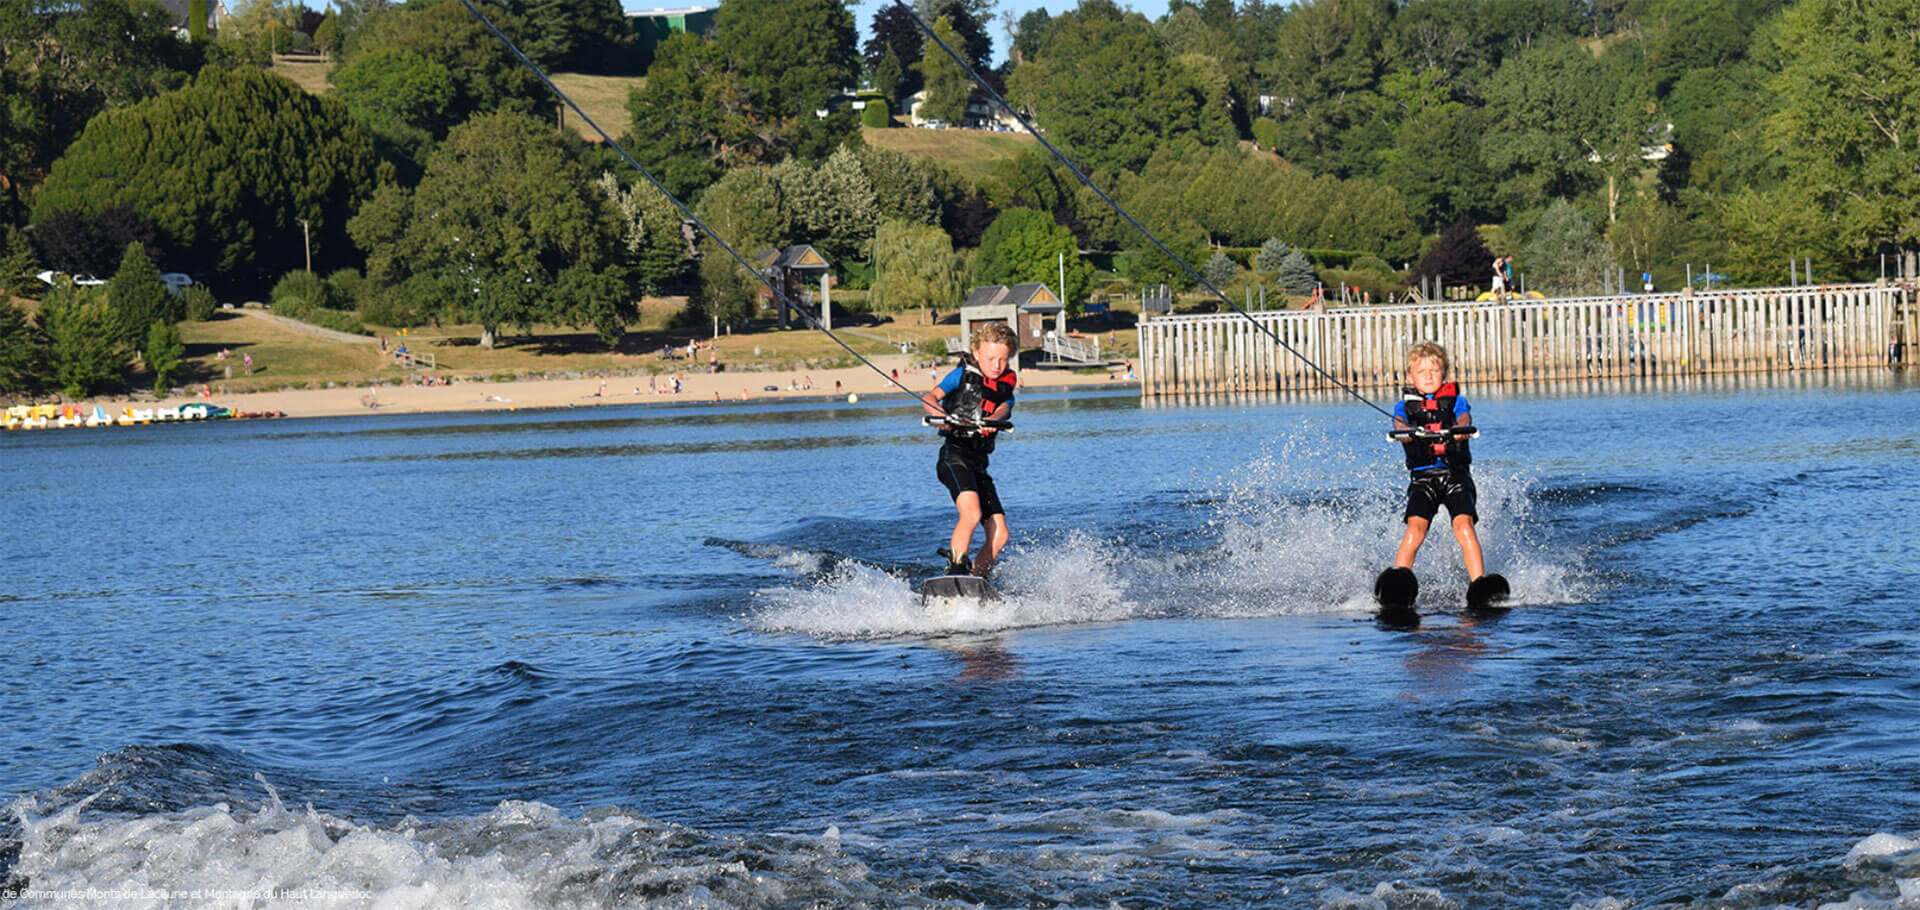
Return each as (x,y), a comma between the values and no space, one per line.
(1089,184)
(685,212)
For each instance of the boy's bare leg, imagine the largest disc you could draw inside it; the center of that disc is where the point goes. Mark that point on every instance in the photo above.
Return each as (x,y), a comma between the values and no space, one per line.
(968,502)
(1469,545)
(997,537)
(1410,542)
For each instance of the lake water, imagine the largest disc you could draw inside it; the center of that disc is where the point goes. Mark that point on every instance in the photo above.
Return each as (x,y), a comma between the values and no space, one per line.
(672,655)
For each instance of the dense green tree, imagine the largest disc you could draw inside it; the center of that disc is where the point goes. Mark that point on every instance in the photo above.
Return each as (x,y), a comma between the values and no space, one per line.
(1848,123)
(18,265)
(574,35)
(23,351)
(914,266)
(163,354)
(1563,255)
(694,120)
(947,85)
(600,298)
(1024,245)
(485,76)
(60,64)
(1436,165)
(651,235)
(1719,116)
(1564,121)
(1645,234)
(969,19)
(832,206)
(83,349)
(790,55)
(505,207)
(1467,40)
(1688,35)
(402,100)
(138,299)
(222,169)
(875,114)
(748,208)
(893,52)
(1029,35)
(1103,87)
(1327,59)
(905,187)
(1240,199)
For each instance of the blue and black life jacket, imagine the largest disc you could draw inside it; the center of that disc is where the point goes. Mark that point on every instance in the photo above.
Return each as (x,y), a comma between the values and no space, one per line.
(972,399)
(1433,412)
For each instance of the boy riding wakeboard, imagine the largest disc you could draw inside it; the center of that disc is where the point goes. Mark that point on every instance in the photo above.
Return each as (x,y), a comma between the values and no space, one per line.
(977,392)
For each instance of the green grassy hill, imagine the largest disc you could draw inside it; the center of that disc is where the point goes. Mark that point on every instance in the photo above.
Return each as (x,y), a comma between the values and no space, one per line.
(973,153)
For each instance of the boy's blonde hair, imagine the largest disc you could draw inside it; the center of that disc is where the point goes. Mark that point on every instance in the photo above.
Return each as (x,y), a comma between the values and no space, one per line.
(994,333)
(1426,350)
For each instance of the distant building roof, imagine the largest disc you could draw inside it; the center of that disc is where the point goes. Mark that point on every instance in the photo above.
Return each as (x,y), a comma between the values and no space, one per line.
(798,256)
(1030,297)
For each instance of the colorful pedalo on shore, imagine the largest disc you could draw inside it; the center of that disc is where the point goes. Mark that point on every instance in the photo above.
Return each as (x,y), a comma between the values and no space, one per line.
(44,416)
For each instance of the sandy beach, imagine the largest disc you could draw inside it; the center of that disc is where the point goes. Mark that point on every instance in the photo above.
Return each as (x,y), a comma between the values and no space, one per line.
(624,390)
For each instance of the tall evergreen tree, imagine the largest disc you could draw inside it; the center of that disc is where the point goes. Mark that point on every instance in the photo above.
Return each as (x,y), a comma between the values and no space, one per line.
(138,299)
(83,351)
(23,351)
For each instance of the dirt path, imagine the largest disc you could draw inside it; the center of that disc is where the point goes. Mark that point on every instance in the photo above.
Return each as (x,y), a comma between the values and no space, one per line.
(305,328)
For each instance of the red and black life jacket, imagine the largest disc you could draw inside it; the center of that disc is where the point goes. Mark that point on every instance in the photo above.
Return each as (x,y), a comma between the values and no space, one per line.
(972,399)
(1433,412)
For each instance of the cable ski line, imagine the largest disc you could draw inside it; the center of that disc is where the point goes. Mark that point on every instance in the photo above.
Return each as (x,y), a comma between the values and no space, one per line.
(685,212)
(973,76)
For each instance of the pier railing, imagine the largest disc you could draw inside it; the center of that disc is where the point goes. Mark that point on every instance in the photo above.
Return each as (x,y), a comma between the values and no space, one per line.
(1691,332)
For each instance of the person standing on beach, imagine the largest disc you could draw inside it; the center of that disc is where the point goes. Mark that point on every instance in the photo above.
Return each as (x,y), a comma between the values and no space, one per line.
(980,388)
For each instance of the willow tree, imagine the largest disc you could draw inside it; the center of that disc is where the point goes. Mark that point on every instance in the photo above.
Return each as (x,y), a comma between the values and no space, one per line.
(914,266)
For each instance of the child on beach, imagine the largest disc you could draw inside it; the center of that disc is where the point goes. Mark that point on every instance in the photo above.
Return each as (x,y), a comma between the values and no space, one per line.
(980,388)
(1439,468)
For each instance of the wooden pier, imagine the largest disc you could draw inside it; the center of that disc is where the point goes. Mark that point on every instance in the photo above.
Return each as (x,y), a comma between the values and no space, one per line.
(1687,333)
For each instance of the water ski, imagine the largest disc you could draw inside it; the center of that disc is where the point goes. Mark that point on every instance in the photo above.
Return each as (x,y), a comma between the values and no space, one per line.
(1395,591)
(948,592)
(1488,592)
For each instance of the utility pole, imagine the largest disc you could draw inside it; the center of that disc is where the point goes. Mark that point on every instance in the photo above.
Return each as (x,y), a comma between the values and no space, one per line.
(306,241)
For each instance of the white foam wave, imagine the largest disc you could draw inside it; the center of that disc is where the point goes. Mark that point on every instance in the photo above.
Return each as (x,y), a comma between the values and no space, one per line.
(1305,528)
(1073,580)
(521,854)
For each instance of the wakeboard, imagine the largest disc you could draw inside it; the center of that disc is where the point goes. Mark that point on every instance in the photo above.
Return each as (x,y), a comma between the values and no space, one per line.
(1488,592)
(945,593)
(1395,591)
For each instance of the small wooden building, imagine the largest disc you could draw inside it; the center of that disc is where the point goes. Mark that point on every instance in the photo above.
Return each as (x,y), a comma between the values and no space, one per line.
(1024,307)
(792,269)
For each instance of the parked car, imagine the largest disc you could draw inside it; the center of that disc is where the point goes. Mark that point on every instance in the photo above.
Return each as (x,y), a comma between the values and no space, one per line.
(177,282)
(52,277)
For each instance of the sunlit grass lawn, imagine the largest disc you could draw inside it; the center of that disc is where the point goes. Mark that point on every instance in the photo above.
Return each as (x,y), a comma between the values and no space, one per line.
(973,153)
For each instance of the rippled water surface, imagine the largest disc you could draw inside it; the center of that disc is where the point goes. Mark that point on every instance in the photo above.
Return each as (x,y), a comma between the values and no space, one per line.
(620,656)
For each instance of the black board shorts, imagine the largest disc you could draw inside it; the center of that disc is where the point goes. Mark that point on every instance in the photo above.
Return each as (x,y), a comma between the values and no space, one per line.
(1429,490)
(961,471)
